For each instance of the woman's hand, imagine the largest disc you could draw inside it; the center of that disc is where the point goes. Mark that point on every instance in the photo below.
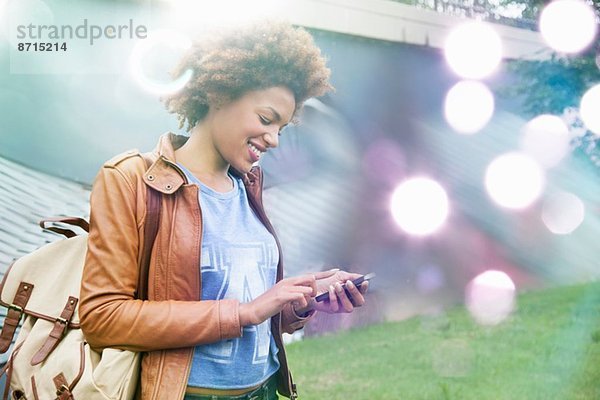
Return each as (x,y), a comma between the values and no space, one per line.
(331,282)
(297,290)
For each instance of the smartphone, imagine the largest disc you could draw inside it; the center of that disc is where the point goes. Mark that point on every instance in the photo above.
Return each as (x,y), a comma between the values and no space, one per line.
(357,282)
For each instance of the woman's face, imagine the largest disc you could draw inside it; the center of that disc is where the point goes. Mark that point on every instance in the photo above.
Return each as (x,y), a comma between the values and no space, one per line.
(244,129)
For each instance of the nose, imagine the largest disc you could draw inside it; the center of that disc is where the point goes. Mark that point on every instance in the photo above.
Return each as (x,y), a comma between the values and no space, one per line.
(272,138)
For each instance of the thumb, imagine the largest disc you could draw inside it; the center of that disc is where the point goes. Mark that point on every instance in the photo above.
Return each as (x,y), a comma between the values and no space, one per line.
(326,274)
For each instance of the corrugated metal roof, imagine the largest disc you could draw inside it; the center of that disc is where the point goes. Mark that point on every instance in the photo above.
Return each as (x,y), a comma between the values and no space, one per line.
(27,196)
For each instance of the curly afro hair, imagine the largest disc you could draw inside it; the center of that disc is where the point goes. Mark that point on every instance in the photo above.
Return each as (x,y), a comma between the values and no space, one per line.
(230,62)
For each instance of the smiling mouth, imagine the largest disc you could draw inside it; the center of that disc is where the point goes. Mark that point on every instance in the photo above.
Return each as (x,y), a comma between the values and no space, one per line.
(256,152)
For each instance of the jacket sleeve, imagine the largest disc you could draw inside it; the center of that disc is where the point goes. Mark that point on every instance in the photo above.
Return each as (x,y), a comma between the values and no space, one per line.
(110,316)
(291,322)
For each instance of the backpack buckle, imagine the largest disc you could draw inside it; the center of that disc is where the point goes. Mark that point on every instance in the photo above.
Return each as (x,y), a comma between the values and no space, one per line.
(63,388)
(15,307)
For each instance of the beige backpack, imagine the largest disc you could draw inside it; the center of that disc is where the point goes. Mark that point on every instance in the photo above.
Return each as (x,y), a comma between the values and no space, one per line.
(51,358)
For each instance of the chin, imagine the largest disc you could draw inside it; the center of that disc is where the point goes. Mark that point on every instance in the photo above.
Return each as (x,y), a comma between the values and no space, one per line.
(241,170)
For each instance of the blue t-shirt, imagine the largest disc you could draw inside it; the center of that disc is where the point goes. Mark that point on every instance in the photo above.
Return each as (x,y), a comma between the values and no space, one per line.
(239,261)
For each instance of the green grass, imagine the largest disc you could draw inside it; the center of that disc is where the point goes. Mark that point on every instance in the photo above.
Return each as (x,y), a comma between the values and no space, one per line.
(549,348)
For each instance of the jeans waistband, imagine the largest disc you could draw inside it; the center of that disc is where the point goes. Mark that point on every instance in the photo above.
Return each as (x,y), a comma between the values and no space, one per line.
(266,391)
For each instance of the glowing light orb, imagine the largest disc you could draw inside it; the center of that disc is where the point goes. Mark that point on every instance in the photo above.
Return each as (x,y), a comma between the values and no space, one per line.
(419,206)
(514,180)
(589,109)
(563,213)
(141,51)
(473,50)
(490,297)
(568,26)
(546,139)
(468,106)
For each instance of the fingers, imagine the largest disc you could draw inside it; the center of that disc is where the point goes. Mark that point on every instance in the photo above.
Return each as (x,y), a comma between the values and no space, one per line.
(364,287)
(299,296)
(326,274)
(343,298)
(348,299)
(302,290)
(306,280)
(301,303)
(344,275)
(299,300)
(356,296)
(333,303)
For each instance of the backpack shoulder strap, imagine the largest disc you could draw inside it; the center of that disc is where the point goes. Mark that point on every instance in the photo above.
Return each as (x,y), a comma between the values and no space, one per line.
(74,221)
(153,203)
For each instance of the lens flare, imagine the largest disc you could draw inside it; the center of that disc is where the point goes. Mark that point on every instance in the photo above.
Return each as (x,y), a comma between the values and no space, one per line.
(514,180)
(568,26)
(468,107)
(142,51)
(419,206)
(590,109)
(473,50)
(546,139)
(490,297)
(563,213)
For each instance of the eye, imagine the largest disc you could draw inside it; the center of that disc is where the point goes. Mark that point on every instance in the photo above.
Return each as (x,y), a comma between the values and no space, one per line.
(263,120)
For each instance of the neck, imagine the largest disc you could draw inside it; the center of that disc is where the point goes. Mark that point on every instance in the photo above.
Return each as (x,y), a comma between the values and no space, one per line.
(200,156)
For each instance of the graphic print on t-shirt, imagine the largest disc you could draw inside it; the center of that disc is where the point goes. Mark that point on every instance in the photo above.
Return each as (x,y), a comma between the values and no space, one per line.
(239,261)
(252,265)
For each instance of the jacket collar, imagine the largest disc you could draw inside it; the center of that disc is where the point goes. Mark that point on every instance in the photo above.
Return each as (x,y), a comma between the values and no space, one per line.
(165,176)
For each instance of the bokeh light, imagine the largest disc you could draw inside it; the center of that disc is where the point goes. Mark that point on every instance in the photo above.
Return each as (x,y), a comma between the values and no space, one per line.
(562,213)
(514,180)
(568,26)
(419,206)
(589,109)
(141,60)
(468,106)
(490,297)
(473,50)
(546,139)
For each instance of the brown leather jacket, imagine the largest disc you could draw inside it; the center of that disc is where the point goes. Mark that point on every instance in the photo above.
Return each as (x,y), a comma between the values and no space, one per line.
(168,325)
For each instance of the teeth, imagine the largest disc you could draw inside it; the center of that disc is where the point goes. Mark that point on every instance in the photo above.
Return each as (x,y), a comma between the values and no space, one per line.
(255,150)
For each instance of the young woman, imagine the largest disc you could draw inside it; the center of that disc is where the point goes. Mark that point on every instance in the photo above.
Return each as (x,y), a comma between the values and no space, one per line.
(217,301)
